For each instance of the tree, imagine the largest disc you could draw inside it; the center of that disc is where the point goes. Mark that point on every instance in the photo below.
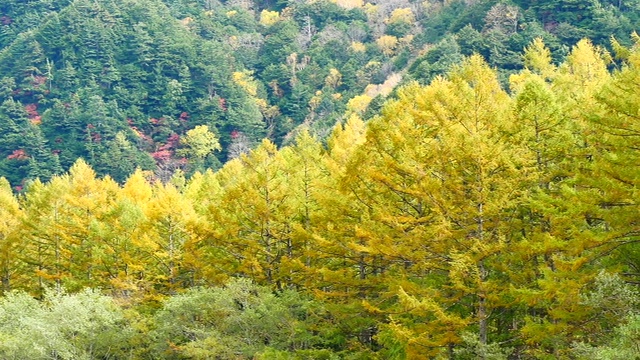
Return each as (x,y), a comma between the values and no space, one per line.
(615,305)
(259,234)
(170,219)
(84,325)
(560,233)
(22,135)
(46,254)
(79,220)
(307,176)
(239,319)
(440,189)
(615,139)
(11,215)
(199,143)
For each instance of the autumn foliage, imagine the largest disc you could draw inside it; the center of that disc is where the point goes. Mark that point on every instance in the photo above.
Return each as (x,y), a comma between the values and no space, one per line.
(461,218)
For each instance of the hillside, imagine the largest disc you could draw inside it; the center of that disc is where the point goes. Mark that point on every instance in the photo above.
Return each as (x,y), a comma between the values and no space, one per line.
(120,83)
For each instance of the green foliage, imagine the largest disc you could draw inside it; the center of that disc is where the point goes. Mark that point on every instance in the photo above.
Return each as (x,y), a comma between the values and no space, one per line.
(63,326)
(437,61)
(238,320)
(615,303)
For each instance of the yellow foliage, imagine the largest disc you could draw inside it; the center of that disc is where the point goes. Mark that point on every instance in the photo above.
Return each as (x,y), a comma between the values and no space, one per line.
(314,102)
(137,189)
(349,4)
(268,18)
(370,9)
(621,52)
(344,140)
(588,62)
(581,75)
(372,65)
(406,40)
(358,104)
(333,80)
(245,80)
(262,104)
(200,141)
(231,13)
(371,308)
(357,46)
(517,81)
(387,44)
(537,57)
(401,15)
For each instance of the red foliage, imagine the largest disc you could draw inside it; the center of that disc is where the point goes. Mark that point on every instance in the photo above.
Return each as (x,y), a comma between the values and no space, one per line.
(184,116)
(32,113)
(5,20)
(96,137)
(154,121)
(19,154)
(38,80)
(31,109)
(161,155)
(174,139)
(235,134)
(172,142)
(223,104)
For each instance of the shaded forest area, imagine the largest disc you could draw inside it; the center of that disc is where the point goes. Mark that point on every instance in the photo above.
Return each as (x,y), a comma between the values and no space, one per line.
(120,83)
(464,221)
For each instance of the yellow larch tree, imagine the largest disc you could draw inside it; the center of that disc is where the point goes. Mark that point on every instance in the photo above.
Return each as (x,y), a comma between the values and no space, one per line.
(46,255)
(252,217)
(170,221)
(11,216)
(125,258)
(616,157)
(306,177)
(440,182)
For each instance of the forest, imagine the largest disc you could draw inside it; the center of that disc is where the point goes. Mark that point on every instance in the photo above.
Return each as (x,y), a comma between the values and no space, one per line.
(445,198)
(121,83)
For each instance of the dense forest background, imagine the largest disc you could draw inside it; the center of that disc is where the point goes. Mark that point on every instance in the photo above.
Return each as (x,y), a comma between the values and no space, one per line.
(319,179)
(121,83)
